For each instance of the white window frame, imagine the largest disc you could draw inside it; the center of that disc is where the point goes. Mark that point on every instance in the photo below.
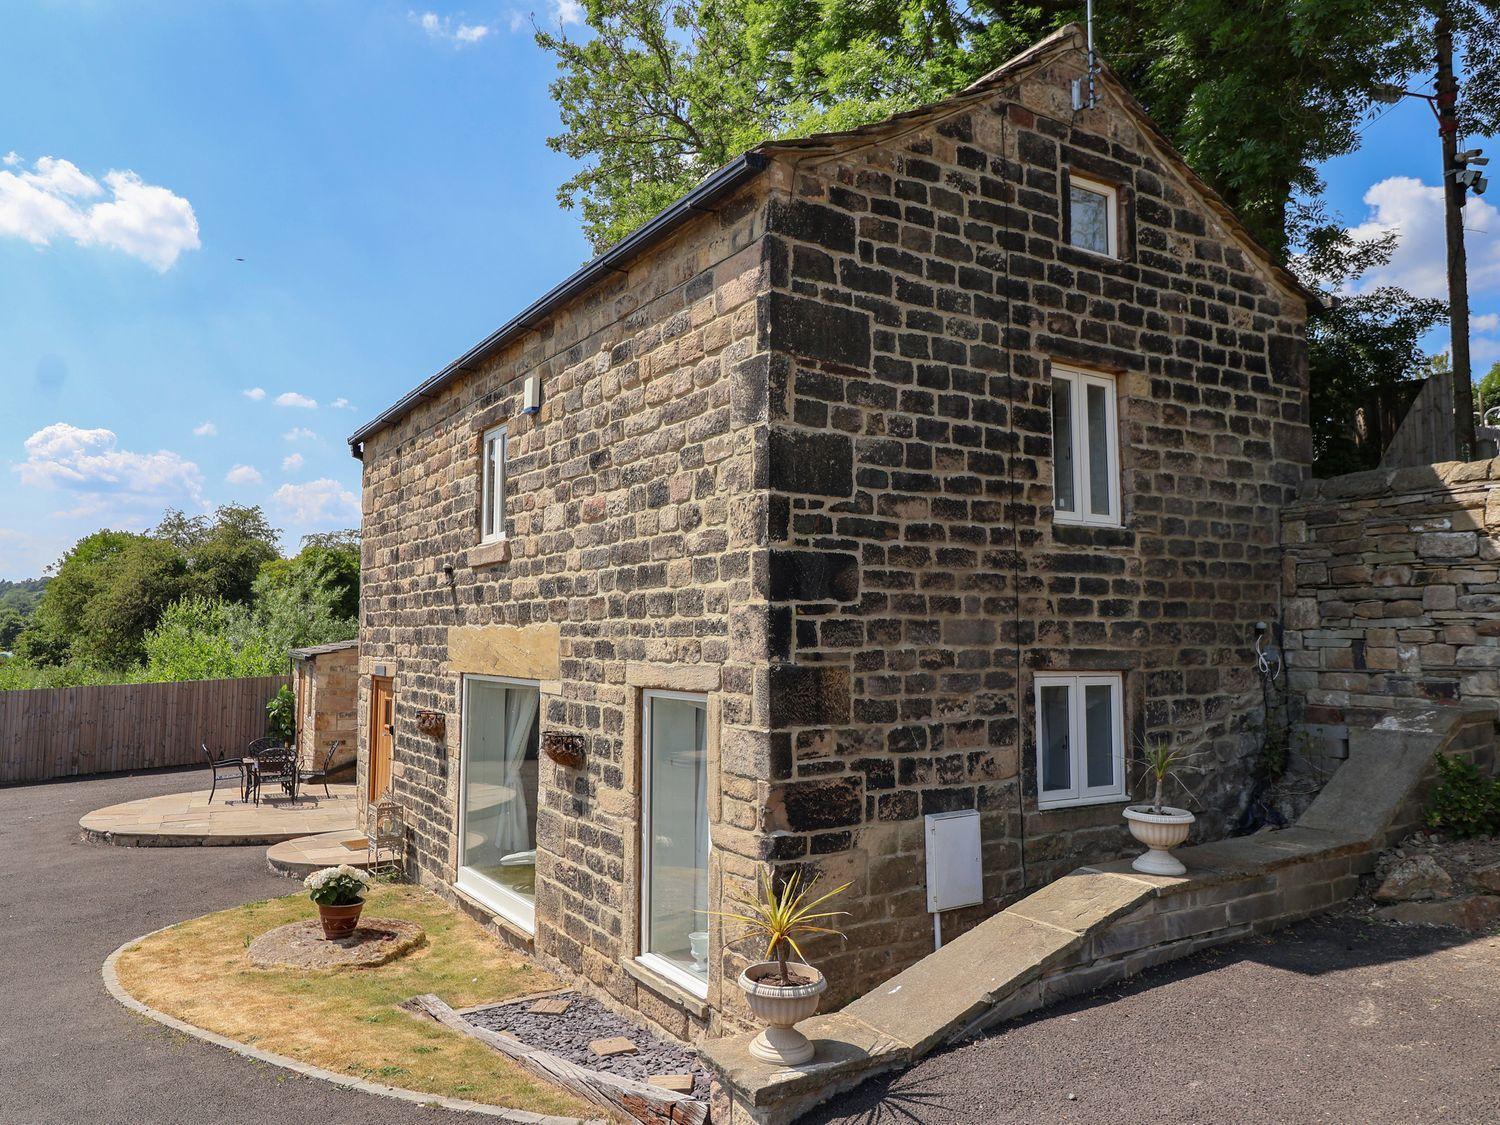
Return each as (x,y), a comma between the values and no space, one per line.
(1111,214)
(1078,794)
(654,962)
(489,894)
(1082,453)
(492,498)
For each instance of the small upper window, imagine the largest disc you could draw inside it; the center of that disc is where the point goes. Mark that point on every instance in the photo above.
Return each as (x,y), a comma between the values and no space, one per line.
(492,497)
(1085,449)
(1080,740)
(1092,210)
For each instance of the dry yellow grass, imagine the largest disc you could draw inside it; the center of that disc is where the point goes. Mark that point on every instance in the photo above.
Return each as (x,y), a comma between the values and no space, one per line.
(347,1020)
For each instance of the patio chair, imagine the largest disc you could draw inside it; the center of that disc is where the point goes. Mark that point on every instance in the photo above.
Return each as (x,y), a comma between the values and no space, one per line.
(223,769)
(279,763)
(320,772)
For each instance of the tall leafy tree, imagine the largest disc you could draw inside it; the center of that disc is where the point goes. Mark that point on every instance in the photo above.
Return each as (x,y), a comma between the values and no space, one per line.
(224,553)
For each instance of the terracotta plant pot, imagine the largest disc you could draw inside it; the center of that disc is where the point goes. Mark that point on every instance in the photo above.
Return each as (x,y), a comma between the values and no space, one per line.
(779,1007)
(1160,832)
(339,921)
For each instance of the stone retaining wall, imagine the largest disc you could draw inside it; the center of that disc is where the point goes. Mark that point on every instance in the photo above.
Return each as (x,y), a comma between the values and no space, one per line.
(1106,922)
(1393,593)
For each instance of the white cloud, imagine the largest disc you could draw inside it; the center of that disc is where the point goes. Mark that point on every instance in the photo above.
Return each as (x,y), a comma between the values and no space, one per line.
(567,11)
(11,159)
(517,19)
(448,30)
(58,200)
(255,394)
(1414,211)
(299,433)
(91,464)
(341,403)
(1485,322)
(205,429)
(243,474)
(322,501)
(291,462)
(300,401)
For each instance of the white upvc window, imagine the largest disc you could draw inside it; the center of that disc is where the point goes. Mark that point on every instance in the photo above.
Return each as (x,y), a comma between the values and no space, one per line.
(675,838)
(1080,739)
(492,486)
(499,787)
(1093,216)
(1085,448)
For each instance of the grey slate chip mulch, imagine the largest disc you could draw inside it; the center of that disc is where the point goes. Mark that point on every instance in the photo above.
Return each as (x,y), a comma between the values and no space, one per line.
(568,1037)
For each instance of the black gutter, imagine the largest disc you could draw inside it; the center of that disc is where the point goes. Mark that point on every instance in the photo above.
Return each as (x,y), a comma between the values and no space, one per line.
(710,190)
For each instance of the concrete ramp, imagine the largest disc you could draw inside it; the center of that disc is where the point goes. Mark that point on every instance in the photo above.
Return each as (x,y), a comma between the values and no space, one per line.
(1103,923)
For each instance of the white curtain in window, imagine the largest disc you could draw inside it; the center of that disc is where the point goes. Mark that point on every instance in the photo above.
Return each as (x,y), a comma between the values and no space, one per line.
(514,835)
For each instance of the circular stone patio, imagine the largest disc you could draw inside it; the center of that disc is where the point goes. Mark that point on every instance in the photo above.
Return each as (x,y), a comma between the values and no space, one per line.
(301,945)
(188,820)
(306,854)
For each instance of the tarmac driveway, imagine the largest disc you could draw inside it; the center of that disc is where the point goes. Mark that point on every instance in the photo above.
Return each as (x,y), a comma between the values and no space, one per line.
(68,1052)
(1334,1020)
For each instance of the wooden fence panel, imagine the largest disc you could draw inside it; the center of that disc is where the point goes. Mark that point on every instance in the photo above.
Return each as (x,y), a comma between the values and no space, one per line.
(69,732)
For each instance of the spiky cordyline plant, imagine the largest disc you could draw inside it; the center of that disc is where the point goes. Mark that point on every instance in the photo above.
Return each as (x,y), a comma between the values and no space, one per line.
(1161,759)
(779,915)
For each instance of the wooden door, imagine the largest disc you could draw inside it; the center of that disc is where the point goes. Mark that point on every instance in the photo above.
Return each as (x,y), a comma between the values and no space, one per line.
(382,734)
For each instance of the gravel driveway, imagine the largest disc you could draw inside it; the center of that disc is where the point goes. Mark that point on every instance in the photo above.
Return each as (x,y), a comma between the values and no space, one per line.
(70,1053)
(1334,1020)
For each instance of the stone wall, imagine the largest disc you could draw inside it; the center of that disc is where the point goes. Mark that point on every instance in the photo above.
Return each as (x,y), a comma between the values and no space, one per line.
(327,687)
(1393,593)
(921,290)
(798,457)
(634,534)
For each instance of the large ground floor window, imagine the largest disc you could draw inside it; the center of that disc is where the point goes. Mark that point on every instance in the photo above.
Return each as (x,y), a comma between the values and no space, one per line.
(498,796)
(674,838)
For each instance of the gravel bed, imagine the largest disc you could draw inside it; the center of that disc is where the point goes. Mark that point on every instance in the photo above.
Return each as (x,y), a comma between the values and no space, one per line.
(568,1037)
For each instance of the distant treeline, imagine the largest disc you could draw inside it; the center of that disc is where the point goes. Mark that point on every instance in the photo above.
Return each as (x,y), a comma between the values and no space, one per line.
(197,597)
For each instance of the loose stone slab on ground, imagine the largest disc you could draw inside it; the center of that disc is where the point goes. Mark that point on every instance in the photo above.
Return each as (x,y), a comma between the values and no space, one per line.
(301,945)
(568,1035)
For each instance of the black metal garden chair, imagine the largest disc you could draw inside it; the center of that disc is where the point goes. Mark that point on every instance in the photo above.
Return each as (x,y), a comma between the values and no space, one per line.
(223,769)
(278,763)
(320,771)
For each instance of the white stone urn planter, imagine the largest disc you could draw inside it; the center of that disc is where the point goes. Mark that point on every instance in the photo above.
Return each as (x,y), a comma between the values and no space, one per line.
(1160,832)
(780,1007)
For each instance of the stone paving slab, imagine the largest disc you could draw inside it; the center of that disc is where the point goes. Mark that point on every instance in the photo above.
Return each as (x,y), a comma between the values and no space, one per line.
(188,819)
(303,855)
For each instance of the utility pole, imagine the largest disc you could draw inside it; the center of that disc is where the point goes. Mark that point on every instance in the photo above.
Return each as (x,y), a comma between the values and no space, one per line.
(1446,105)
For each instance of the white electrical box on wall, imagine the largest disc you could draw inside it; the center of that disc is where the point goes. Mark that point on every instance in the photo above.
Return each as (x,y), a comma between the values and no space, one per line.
(955,869)
(531,394)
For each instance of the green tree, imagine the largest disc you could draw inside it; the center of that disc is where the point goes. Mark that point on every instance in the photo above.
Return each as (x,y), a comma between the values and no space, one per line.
(662,92)
(224,553)
(1487,390)
(328,562)
(11,624)
(106,593)
(1359,346)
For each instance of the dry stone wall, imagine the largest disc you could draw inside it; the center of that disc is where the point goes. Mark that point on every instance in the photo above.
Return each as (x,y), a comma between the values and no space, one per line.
(1393,594)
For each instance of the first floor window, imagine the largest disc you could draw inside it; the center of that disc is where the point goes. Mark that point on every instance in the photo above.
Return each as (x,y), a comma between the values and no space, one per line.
(1085,448)
(674,838)
(492,486)
(1092,220)
(1080,739)
(498,796)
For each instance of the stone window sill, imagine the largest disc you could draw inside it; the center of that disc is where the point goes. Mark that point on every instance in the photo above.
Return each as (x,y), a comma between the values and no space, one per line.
(677,997)
(489,554)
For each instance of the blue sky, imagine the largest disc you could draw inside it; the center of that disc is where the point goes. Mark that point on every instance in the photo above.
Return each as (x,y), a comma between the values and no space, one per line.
(381,169)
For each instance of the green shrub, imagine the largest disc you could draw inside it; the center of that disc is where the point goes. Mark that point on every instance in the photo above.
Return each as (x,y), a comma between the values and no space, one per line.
(281,715)
(1464,802)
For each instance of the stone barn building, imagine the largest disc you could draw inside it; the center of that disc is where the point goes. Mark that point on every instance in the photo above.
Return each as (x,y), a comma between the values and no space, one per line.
(922,468)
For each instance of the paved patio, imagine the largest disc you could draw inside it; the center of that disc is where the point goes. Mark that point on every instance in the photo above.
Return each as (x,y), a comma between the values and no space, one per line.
(306,854)
(188,819)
